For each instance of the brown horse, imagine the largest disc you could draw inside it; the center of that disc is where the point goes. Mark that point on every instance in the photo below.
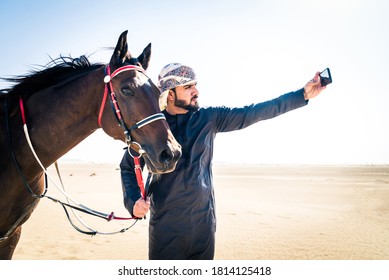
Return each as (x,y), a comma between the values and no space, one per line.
(63,104)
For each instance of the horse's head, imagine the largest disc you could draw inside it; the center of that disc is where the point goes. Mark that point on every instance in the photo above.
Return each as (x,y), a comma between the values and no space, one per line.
(134,100)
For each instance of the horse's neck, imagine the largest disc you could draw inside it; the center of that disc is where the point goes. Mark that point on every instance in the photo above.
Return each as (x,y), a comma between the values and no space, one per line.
(61,117)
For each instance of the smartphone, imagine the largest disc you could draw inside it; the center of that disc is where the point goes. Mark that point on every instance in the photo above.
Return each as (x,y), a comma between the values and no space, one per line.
(325,77)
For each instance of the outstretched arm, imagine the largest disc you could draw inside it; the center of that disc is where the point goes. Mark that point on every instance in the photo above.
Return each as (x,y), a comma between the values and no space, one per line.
(228,119)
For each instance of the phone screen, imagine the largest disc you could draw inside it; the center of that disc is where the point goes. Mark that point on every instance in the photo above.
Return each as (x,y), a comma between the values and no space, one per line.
(325,77)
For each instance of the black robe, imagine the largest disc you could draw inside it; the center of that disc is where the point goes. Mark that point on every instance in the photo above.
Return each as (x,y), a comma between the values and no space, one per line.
(182,212)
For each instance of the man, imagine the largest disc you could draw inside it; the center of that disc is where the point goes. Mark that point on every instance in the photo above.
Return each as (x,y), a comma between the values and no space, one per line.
(182,205)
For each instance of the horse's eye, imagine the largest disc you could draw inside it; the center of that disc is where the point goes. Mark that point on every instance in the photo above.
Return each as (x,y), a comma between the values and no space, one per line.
(127,91)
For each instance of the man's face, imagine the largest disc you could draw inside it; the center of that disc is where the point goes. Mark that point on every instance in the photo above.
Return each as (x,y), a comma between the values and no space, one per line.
(186,97)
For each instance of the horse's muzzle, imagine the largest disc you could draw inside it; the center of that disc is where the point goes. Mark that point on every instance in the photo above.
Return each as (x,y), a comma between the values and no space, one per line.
(166,161)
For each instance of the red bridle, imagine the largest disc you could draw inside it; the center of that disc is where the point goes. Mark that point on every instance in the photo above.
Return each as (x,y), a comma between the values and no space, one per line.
(115,106)
(107,81)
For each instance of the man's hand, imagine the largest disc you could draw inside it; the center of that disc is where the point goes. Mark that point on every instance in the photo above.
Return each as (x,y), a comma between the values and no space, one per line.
(313,87)
(141,207)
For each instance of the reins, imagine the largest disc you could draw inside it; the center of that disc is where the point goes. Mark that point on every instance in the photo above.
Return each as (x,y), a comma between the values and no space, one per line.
(71,202)
(108,89)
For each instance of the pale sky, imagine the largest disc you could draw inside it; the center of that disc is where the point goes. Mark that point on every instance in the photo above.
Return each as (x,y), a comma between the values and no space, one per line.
(243,52)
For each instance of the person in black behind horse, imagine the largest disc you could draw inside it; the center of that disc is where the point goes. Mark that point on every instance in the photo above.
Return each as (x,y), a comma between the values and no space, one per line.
(182,217)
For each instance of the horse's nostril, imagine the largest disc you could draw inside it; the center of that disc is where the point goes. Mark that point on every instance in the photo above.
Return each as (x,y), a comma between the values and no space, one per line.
(166,156)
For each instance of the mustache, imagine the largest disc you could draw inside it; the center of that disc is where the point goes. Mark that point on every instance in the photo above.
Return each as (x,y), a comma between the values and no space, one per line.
(195,97)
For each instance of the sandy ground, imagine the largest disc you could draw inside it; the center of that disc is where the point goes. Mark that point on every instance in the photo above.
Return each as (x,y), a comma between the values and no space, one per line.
(263,212)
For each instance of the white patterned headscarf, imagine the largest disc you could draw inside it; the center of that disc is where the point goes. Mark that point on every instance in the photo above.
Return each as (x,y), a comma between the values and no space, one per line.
(172,76)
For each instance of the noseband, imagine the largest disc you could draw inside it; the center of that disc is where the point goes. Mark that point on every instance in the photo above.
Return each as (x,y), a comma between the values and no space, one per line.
(108,89)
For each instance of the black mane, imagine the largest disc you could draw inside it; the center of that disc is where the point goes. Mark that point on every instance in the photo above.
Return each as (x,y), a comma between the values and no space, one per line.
(56,71)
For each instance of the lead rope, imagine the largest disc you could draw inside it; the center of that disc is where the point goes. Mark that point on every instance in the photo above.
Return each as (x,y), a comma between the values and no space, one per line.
(77,206)
(27,186)
(139,177)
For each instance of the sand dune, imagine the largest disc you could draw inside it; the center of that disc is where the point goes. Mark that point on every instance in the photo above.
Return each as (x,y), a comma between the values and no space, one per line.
(263,212)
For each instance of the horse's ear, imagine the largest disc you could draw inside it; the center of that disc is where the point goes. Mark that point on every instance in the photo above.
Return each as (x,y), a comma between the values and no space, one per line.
(120,52)
(144,58)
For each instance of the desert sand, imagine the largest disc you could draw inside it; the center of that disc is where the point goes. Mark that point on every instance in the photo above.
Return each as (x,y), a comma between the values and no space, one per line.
(263,212)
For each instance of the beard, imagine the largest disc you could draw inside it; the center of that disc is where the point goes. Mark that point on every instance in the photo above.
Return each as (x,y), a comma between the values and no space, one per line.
(182,104)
